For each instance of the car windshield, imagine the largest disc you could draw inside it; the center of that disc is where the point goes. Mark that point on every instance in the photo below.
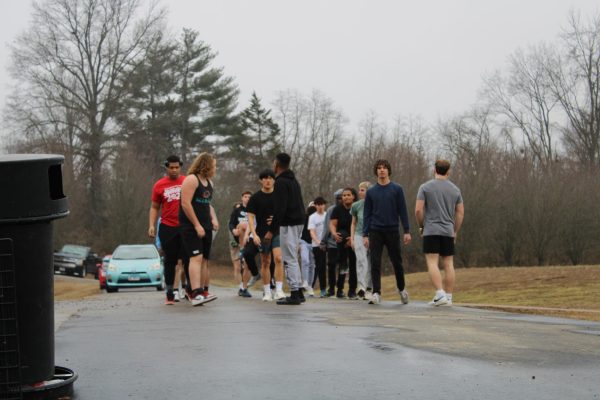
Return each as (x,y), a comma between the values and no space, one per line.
(134,253)
(77,250)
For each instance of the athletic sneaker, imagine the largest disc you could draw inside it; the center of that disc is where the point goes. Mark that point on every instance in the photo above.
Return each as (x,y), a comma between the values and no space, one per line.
(361,294)
(375,299)
(310,292)
(404,296)
(170,300)
(253,280)
(208,296)
(340,294)
(176,295)
(323,293)
(196,298)
(352,296)
(439,301)
(368,295)
(267,296)
(245,293)
(449,303)
(279,295)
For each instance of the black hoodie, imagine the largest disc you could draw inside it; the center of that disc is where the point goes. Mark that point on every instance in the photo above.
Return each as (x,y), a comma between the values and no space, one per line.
(289,206)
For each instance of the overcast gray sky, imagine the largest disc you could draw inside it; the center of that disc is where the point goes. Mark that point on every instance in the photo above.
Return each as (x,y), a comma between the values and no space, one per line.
(394,57)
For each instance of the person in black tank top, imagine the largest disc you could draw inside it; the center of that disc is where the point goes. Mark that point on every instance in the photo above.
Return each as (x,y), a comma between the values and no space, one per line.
(197,220)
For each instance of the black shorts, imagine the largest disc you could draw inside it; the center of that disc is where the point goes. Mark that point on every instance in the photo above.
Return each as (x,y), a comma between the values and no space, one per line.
(195,245)
(436,244)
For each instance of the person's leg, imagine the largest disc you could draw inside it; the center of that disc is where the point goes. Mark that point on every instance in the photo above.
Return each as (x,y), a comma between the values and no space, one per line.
(265,271)
(237,265)
(311,270)
(278,270)
(449,274)
(352,280)
(305,260)
(392,242)
(376,248)
(206,248)
(332,259)
(250,252)
(433,270)
(290,241)
(342,268)
(360,252)
(320,268)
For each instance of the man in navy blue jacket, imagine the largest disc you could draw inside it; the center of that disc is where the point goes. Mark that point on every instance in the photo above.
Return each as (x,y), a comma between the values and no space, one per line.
(385,209)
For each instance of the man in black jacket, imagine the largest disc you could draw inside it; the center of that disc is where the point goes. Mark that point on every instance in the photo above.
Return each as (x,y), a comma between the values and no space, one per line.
(288,221)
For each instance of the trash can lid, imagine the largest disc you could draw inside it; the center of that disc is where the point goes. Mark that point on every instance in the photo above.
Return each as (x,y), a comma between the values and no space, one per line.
(32,188)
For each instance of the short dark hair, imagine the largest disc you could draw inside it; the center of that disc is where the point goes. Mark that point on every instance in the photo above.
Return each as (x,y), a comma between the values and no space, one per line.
(384,163)
(351,190)
(246,192)
(172,159)
(319,200)
(283,159)
(265,173)
(442,167)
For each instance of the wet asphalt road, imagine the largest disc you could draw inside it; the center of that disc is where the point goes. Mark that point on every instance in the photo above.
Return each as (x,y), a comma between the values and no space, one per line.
(129,345)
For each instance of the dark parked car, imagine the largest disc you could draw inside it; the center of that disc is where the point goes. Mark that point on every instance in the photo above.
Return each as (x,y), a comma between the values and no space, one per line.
(76,260)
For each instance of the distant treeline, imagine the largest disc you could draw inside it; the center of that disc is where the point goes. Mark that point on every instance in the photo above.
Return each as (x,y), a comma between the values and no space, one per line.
(101,83)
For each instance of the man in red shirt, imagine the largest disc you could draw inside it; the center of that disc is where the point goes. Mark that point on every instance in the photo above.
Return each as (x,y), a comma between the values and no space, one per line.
(166,198)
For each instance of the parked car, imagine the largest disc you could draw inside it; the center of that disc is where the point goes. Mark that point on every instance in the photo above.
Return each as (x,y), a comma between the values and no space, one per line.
(102,269)
(75,260)
(134,265)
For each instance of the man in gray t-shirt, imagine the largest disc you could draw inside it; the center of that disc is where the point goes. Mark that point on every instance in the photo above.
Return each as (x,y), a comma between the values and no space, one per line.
(439,211)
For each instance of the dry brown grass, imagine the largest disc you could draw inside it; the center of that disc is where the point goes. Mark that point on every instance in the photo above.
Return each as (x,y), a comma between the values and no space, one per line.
(560,291)
(552,291)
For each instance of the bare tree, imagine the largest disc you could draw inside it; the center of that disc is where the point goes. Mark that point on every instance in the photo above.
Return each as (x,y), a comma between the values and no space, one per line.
(575,77)
(71,59)
(526,99)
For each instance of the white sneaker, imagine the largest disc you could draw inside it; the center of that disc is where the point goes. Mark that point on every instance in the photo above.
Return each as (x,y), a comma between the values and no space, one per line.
(375,299)
(439,301)
(267,296)
(368,295)
(310,292)
(404,296)
(449,303)
(176,296)
(198,300)
(279,295)
(305,285)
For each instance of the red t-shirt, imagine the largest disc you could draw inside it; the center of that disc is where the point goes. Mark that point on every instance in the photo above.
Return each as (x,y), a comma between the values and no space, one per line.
(167,193)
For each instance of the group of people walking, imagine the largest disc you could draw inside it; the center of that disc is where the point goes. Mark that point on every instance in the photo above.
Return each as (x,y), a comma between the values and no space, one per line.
(305,246)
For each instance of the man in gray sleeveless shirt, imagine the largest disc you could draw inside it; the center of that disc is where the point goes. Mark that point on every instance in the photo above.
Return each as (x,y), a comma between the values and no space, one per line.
(440,212)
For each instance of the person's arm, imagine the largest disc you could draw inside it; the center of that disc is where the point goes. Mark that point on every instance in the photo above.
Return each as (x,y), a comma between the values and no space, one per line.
(213,218)
(353,229)
(252,230)
(233,221)
(333,229)
(403,212)
(325,235)
(153,216)
(459,215)
(280,199)
(420,214)
(368,209)
(188,187)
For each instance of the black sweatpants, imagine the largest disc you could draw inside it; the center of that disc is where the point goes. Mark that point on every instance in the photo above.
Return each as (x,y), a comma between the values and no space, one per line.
(320,268)
(391,240)
(250,252)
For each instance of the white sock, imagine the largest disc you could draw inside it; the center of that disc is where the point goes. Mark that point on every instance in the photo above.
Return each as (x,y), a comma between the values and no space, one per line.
(279,286)
(267,289)
(439,293)
(242,285)
(449,296)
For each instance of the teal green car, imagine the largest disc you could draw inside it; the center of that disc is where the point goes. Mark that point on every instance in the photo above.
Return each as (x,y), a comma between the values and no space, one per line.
(134,265)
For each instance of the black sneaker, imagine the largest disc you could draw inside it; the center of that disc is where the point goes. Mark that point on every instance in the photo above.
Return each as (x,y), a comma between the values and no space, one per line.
(361,294)
(244,293)
(301,296)
(292,300)
(352,296)
(340,294)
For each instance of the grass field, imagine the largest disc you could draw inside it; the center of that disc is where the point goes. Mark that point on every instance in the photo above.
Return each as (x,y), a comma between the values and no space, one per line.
(553,291)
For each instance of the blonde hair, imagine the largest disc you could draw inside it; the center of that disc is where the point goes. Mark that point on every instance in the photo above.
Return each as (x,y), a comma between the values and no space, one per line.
(202,165)
(365,184)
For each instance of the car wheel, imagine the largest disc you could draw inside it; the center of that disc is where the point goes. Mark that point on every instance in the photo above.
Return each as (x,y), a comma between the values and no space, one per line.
(83,271)
(111,289)
(159,288)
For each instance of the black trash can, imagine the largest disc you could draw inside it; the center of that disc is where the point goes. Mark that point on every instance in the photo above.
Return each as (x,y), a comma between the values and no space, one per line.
(32,196)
